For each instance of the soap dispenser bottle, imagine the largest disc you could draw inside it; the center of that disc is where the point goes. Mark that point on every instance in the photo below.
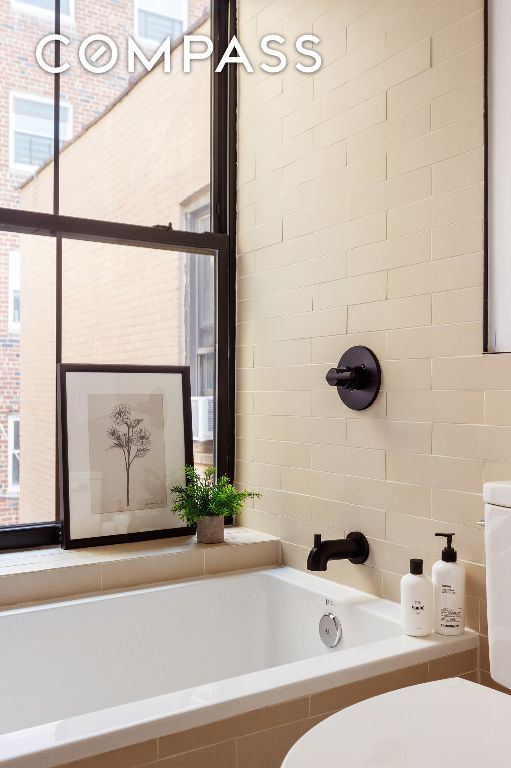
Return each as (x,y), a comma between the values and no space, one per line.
(448,578)
(416,601)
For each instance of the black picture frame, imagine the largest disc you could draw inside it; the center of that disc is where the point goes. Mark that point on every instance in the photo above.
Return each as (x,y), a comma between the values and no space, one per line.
(63,369)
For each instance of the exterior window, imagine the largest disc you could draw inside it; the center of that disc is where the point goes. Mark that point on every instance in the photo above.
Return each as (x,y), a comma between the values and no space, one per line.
(205,325)
(32,130)
(201,334)
(201,314)
(14,454)
(110,253)
(45,6)
(157,19)
(14,292)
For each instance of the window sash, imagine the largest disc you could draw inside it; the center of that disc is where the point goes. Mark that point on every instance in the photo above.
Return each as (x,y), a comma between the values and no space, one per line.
(221,240)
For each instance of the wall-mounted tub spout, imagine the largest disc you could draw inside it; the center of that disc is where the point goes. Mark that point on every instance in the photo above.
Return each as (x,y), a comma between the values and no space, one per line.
(354,548)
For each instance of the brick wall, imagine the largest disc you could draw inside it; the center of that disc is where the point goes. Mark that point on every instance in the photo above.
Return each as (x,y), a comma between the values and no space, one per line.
(361,222)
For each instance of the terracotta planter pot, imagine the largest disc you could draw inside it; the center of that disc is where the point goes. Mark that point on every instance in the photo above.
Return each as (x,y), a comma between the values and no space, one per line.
(210,530)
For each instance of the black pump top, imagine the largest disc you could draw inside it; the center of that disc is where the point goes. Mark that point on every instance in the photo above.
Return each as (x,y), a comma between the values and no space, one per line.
(416,566)
(449,554)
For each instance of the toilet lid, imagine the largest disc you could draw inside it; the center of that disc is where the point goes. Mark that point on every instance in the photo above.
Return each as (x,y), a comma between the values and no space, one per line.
(445,723)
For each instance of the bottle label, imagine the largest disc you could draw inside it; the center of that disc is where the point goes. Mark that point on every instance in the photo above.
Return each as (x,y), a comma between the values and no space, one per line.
(418,609)
(451,618)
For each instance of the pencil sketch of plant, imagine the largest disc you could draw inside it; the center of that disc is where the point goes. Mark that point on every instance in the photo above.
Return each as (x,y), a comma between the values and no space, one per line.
(127,435)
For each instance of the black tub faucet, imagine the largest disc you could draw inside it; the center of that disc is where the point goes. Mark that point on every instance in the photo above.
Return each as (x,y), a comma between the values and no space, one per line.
(354,548)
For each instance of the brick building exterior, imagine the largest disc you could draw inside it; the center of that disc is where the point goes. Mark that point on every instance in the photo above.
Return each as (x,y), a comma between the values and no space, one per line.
(26,96)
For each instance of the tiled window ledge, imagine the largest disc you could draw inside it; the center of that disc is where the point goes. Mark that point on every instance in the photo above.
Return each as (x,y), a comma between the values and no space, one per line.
(47,574)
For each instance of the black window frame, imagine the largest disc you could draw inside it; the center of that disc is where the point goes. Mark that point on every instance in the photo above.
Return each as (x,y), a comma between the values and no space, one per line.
(221,241)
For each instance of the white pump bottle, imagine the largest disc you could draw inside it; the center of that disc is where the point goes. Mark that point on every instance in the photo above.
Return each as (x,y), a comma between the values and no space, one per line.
(448,578)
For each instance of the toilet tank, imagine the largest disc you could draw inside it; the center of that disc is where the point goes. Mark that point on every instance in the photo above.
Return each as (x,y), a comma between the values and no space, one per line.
(497,497)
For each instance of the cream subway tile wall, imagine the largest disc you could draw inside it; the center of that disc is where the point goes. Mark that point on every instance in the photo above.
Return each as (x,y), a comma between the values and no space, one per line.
(361,205)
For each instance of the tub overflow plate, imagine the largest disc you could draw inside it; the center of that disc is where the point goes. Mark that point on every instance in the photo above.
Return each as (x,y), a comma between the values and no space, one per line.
(330,630)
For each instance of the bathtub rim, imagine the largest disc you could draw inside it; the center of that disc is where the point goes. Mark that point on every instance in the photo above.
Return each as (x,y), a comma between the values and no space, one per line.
(122,726)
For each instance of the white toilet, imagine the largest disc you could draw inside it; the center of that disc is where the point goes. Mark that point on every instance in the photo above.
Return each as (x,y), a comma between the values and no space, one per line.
(450,722)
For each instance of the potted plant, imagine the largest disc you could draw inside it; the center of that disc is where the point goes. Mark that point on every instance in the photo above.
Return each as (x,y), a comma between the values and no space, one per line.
(206,501)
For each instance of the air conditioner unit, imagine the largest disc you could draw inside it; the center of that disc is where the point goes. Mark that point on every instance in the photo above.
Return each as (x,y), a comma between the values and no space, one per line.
(202,418)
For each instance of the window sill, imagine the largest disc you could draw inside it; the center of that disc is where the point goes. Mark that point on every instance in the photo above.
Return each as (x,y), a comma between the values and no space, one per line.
(31,576)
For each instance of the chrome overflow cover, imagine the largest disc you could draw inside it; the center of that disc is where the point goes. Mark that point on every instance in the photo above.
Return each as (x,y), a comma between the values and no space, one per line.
(330,630)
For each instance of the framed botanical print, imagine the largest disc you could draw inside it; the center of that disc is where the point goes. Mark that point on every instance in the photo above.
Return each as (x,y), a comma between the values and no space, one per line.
(125,435)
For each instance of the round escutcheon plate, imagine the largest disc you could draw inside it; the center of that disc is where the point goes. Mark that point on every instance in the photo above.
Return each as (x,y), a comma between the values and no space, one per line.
(368,378)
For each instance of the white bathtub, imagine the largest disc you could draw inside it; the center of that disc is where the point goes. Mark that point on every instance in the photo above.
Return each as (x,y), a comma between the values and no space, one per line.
(85,676)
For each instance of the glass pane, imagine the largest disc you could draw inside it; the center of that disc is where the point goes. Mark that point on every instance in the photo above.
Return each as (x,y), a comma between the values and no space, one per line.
(16,307)
(138,306)
(206,373)
(46,5)
(206,290)
(153,26)
(32,150)
(141,141)
(27,383)
(15,453)
(26,106)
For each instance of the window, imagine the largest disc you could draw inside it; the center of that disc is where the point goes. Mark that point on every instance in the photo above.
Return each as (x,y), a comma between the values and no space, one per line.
(201,314)
(498,168)
(105,279)
(14,454)
(200,324)
(157,19)
(161,123)
(45,7)
(32,130)
(14,292)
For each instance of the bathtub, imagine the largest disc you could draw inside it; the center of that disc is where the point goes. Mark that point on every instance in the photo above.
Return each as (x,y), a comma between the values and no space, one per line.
(85,676)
